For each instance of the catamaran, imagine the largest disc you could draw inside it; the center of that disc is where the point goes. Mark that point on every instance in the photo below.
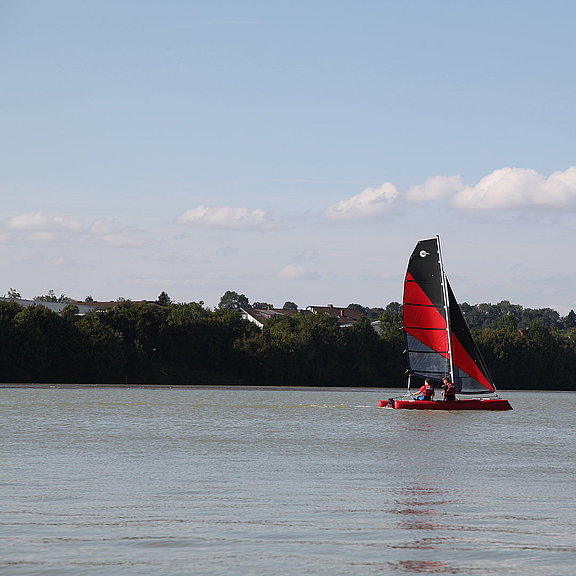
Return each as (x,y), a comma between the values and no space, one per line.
(438,341)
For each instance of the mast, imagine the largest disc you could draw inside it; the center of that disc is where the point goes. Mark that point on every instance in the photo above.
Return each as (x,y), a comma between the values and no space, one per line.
(444,283)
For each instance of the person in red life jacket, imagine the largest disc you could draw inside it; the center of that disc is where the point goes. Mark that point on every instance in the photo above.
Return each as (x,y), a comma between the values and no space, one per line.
(426,391)
(449,390)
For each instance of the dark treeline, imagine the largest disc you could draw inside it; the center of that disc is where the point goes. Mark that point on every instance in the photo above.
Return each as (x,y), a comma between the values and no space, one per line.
(168,343)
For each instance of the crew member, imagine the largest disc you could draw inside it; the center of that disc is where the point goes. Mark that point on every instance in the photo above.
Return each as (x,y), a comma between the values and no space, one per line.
(426,391)
(449,390)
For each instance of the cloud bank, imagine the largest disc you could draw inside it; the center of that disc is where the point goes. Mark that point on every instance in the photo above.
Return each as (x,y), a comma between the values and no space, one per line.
(505,189)
(226,217)
(40,222)
(514,188)
(41,227)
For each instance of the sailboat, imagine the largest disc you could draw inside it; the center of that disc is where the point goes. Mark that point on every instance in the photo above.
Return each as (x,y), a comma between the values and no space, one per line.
(438,341)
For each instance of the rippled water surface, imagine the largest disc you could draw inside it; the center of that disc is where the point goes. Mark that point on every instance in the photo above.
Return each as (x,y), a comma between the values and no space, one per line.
(282,482)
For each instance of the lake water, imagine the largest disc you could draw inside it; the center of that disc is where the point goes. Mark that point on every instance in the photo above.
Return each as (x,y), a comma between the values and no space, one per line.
(282,482)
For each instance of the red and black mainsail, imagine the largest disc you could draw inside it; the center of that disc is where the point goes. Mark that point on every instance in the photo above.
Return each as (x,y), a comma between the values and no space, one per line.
(438,341)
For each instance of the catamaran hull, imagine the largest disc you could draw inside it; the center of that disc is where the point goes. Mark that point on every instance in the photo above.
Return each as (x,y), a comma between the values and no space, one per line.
(471,404)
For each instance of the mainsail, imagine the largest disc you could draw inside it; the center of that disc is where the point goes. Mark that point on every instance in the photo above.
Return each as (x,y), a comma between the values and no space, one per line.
(438,341)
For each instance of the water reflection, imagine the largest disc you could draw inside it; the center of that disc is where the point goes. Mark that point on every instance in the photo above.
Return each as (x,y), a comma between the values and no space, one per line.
(420,508)
(425,567)
(421,515)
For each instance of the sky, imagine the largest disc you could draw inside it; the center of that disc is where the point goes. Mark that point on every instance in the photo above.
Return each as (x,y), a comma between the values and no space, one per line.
(288,151)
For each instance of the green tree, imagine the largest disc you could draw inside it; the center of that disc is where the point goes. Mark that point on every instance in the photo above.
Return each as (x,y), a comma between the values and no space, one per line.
(102,359)
(364,361)
(48,346)
(536,358)
(390,325)
(544,316)
(203,340)
(394,308)
(69,312)
(392,352)
(9,350)
(51,297)
(262,306)
(231,300)
(141,325)
(163,299)
(281,355)
(508,323)
(185,340)
(506,355)
(570,320)
(297,350)
(359,308)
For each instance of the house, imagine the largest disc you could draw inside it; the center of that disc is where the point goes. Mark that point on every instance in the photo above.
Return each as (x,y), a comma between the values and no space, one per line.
(345,316)
(261,315)
(83,307)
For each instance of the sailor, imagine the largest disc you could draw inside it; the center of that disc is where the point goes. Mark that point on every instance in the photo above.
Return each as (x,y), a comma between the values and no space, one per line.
(426,391)
(449,390)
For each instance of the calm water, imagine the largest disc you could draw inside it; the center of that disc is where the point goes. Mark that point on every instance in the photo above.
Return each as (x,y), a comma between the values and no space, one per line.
(252,482)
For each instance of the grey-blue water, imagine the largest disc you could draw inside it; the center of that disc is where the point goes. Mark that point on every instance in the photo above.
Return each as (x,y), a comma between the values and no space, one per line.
(282,482)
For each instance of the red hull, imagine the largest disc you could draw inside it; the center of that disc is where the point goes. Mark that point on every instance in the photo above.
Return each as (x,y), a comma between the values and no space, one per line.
(472,404)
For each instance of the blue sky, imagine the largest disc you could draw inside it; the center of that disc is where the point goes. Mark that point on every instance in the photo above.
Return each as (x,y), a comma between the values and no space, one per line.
(287,150)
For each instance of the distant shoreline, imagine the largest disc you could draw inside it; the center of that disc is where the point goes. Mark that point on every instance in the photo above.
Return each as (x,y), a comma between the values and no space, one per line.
(187,387)
(397,391)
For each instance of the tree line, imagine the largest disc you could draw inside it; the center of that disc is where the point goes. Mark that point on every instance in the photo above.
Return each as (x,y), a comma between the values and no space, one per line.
(187,343)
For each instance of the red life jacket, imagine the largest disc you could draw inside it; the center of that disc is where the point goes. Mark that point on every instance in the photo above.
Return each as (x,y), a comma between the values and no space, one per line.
(450,388)
(428,390)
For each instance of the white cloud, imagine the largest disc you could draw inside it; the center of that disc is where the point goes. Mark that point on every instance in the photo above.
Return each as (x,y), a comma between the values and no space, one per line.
(226,217)
(38,221)
(513,188)
(504,189)
(435,188)
(293,272)
(41,227)
(102,227)
(369,203)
